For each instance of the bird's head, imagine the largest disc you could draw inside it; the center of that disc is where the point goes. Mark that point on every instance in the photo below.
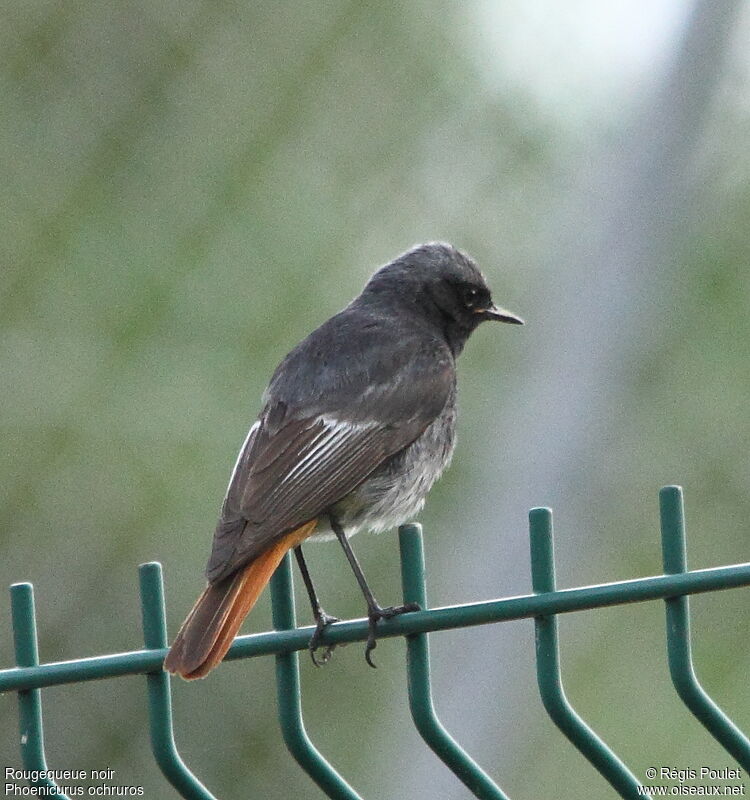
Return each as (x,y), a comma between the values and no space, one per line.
(442,284)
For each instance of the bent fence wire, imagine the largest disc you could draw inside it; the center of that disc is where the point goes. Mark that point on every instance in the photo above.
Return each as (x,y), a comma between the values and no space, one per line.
(29,676)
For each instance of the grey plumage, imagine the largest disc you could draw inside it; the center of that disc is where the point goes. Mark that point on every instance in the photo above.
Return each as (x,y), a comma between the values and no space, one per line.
(358,422)
(359,418)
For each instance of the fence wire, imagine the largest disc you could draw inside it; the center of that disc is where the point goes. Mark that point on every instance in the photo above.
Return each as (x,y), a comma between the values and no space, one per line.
(29,677)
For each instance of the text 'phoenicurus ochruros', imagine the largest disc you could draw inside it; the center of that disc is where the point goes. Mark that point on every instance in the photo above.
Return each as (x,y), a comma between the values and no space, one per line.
(358,422)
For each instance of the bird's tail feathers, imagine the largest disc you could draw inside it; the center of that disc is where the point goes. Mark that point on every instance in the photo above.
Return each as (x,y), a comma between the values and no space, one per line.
(216,617)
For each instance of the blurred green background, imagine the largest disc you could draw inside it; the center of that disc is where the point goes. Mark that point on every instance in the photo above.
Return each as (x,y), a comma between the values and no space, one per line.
(190,188)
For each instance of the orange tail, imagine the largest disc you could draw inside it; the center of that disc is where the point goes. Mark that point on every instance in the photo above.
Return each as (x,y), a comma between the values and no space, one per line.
(213,622)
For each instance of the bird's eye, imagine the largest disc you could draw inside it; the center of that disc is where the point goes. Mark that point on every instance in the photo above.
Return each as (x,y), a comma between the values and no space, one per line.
(470,296)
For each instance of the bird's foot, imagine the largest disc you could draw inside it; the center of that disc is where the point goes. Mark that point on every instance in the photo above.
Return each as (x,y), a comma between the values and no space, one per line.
(322,621)
(376,613)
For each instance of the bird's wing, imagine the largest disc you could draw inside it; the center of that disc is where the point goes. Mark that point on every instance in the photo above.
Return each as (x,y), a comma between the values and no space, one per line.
(292,467)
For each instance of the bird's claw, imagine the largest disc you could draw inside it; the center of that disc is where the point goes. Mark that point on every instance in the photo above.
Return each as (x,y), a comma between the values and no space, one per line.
(321,623)
(377,613)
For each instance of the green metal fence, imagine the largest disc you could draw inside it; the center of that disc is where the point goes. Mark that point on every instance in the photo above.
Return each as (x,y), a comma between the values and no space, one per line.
(29,677)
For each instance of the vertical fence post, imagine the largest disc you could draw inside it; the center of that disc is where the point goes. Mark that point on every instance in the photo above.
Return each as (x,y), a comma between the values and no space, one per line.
(288,692)
(679,651)
(159,697)
(418,671)
(548,668)
(30,724)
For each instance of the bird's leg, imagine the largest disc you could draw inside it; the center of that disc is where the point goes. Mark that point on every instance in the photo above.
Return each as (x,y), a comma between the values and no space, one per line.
(375,611)
(322,619)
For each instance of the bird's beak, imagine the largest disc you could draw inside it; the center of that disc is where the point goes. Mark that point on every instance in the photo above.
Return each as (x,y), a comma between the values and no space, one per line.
(500,314)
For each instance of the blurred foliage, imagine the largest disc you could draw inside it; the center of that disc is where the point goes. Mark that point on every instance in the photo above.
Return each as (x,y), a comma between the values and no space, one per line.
(188,190)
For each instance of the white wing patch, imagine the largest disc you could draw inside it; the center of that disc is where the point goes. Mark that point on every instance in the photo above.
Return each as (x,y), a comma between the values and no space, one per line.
(326,443)
(319,457)
(252,430)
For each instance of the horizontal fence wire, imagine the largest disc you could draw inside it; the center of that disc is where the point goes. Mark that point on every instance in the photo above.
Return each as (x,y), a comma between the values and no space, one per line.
(28,677)
(561,601)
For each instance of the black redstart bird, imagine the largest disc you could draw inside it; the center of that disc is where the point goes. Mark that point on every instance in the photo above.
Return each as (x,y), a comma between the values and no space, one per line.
(358,422)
